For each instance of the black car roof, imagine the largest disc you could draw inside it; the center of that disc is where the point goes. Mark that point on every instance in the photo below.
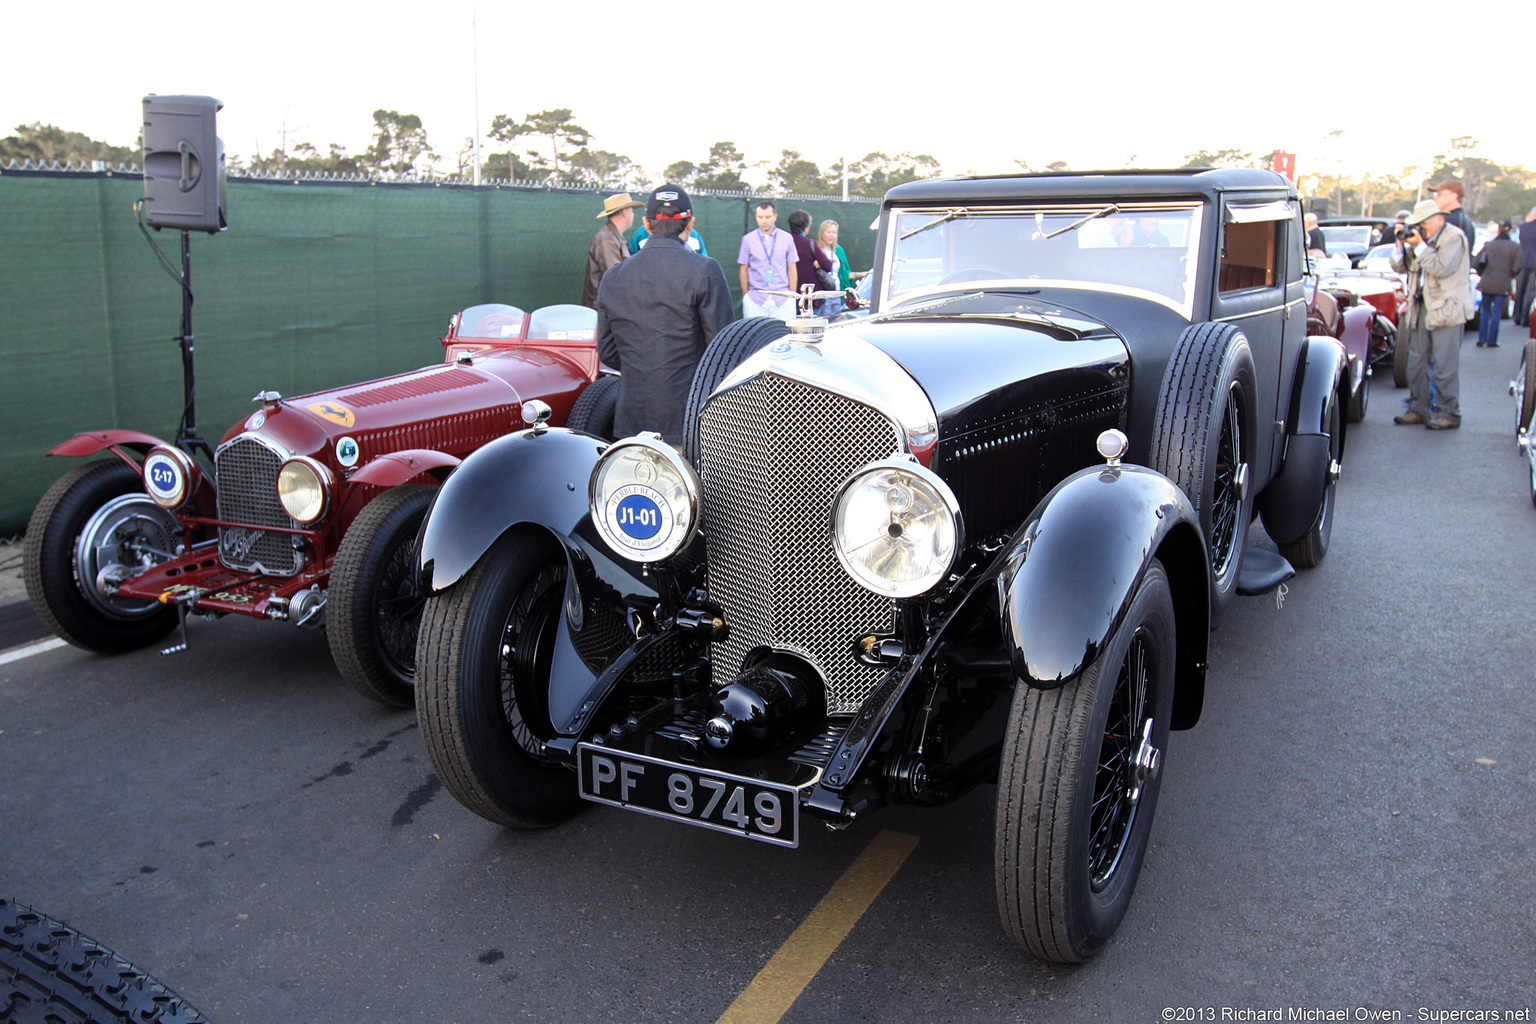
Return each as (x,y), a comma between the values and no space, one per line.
(1207,182)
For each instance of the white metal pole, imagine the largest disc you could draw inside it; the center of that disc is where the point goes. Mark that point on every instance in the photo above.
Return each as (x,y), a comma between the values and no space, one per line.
(474,31)
(845,177)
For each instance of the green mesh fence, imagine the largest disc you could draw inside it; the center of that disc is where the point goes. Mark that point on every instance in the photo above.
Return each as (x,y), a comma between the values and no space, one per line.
(314,285)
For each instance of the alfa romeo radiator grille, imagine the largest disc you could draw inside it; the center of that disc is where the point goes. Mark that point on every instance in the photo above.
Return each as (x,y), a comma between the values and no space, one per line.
(247,493)
(773,454)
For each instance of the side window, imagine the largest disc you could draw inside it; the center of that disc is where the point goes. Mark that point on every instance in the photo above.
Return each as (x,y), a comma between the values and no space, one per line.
(1250,256)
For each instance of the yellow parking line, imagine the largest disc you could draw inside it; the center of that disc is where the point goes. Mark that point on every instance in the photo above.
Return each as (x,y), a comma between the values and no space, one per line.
(780,983)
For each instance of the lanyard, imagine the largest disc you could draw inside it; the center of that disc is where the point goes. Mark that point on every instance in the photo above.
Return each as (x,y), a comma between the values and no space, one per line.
(768,250)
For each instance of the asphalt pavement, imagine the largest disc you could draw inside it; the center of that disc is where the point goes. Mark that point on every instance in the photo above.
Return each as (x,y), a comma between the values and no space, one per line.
(1348,829)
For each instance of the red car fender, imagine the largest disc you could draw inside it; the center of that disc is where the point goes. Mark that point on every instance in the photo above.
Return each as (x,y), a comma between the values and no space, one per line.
(396,468)
(93,441)
(1356,337)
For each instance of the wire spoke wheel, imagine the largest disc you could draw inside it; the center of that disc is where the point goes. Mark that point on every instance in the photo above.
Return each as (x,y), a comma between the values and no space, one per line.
(1114,786)
(398,616)
(1227,495)
(375,606)
(527,651)
(1078,784)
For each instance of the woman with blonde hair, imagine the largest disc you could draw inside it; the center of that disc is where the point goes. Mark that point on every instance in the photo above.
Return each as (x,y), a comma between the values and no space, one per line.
(826,241)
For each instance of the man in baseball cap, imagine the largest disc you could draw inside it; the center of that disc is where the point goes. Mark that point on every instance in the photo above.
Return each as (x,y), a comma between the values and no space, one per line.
(1448,196)
(656,312)
(608,248)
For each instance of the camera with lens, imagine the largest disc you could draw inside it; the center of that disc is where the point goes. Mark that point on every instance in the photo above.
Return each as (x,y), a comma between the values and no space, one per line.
(1402,231)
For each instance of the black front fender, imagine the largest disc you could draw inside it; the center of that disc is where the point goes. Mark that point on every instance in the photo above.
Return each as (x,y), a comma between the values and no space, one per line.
(1289,504)
(521,478)
(528,481)
(1075,565)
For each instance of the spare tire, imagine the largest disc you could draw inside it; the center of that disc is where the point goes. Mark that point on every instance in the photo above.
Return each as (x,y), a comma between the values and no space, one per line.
(1203,438)
(729,348)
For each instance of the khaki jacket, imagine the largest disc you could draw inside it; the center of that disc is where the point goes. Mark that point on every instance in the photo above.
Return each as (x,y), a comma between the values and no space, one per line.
(1439,280)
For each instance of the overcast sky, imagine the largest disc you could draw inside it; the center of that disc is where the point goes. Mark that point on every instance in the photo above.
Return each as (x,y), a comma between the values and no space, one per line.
(1098,86)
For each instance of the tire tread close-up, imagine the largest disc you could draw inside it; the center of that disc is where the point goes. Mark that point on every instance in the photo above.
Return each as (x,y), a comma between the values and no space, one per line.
(49,972)
(595,407)
(389,520)
(1031,865)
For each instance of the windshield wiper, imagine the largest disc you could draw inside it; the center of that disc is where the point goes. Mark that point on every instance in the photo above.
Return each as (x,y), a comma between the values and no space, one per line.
(1111,208)
(951,215)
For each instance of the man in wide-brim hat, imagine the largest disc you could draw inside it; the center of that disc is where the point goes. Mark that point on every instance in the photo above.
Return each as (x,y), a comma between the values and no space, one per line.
(608,247)
(1435,257)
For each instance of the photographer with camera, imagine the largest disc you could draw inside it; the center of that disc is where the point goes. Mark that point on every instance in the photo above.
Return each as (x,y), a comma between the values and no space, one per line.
(1435,256)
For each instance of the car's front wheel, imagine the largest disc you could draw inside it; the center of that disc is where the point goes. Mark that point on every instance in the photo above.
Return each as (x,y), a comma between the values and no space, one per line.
(1525,389)
(482,685)
(1078,786)
(1400,360)
(93,527)
(375,606)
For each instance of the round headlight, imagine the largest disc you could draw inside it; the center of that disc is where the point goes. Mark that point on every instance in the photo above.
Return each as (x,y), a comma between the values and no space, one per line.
(304,488)
(168,475)
(896,528)
(644,498)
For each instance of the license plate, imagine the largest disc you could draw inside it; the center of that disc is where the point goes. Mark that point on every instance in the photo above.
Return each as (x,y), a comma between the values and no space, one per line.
(751,808)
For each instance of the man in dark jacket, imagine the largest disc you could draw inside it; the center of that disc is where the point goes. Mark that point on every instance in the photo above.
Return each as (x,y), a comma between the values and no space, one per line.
(656,312)
(1448,196)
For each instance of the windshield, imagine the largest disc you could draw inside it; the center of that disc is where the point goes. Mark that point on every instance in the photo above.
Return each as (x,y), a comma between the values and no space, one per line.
(1148,249)
(562,323)
(491,320)
(1347,234)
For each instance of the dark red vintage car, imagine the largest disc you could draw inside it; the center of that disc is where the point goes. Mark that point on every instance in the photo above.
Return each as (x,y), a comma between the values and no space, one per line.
(309,512)
(1381,299)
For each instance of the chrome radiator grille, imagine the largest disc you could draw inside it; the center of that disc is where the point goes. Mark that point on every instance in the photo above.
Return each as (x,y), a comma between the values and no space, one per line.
(247,493)
(773,453)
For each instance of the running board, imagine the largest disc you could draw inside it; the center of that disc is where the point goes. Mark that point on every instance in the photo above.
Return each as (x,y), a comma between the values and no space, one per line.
(1263,570)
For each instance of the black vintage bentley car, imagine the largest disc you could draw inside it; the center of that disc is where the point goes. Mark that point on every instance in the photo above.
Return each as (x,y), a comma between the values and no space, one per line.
(980,536)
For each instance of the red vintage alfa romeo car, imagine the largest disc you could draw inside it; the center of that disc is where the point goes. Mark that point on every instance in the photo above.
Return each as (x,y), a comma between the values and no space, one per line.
(309,512)
(1377,299)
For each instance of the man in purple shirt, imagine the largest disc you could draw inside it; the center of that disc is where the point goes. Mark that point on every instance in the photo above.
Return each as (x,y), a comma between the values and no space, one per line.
(767,261)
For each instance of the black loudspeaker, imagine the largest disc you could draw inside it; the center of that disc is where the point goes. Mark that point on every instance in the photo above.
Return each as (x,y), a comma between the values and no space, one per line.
(1319,206)
(183,164)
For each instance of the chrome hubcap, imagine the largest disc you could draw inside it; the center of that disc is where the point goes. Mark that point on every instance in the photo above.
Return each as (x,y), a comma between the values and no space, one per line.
(1145,764)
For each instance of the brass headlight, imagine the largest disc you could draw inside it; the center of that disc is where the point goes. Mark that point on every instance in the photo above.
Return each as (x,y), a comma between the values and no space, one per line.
(304,488)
